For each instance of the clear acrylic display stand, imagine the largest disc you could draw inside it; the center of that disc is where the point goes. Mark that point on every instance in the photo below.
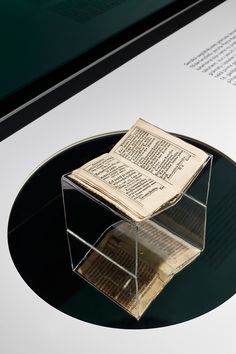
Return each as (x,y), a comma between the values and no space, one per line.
(128,261)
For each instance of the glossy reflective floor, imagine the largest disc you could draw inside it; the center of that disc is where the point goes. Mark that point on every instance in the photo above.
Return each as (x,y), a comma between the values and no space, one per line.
(38,246)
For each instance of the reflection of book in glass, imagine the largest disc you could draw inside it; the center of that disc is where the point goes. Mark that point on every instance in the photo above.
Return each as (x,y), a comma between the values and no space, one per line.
(161,254)
(146,171)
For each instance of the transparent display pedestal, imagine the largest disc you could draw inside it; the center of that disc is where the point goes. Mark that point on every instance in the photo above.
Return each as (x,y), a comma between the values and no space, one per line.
(131,262)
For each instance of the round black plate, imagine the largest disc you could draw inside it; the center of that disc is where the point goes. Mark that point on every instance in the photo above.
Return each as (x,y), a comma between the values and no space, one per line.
(38,246)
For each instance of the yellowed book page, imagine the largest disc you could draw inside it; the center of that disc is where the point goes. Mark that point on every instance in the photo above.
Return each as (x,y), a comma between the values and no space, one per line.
(117,183)
(162,155)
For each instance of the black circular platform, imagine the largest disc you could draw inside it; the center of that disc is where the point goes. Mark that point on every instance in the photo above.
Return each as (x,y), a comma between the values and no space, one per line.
(38,246)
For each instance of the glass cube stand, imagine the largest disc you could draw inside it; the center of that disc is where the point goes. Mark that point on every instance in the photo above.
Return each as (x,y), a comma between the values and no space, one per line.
(131,262)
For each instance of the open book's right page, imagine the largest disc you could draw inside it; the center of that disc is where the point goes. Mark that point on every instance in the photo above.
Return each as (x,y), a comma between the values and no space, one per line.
(167,164)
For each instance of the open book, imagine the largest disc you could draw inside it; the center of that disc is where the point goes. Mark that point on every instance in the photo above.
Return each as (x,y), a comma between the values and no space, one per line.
(146,171)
